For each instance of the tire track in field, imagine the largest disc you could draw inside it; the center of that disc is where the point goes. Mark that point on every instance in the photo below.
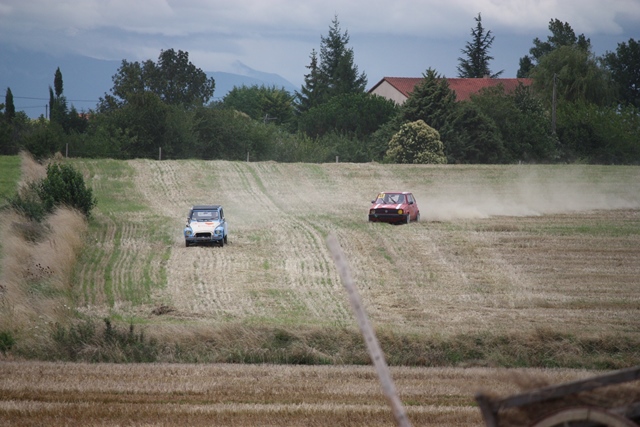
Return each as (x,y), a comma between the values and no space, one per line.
(206,281)
(92,275)
(308,277)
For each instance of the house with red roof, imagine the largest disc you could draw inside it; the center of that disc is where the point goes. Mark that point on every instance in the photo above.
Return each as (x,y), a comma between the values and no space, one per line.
(398,89)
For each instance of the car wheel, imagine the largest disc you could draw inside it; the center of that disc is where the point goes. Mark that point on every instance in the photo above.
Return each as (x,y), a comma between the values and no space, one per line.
(186,243)
(222,243)
(418,217)
(408,220)
(225,239)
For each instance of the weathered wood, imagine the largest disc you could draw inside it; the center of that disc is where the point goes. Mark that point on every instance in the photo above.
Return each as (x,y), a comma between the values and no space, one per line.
(584,414)
(553,392)
(490,407)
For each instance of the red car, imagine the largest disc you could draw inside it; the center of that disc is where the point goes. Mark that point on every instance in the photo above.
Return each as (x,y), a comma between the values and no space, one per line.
(395,207)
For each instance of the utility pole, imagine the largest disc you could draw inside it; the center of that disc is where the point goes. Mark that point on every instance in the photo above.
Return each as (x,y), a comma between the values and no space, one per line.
(553,103)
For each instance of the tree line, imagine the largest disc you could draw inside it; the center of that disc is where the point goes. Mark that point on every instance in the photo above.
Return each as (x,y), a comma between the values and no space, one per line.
(580,108)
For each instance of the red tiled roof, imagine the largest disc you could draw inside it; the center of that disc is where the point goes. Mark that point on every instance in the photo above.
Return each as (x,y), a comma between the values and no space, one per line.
(463,88)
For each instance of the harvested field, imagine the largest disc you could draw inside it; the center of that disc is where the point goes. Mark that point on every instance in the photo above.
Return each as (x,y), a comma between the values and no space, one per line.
(509,266)
(499,248)
(36,393)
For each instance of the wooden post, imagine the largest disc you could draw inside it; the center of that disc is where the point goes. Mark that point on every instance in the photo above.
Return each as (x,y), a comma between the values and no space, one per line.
(554,100)
(373,346)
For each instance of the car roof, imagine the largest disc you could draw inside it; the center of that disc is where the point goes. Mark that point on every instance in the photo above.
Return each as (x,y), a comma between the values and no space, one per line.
(205,207)
(396,192)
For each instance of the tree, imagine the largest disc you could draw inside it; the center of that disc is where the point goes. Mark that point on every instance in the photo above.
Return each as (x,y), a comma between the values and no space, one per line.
(561,35)
(336,72)
(57,83)
(337,69)
(65,186)
(578,75)
(521,121)
(174,79)
(230,135)
(416,142)
(9,106)
(266,104)
(624,65)
(310,93)
(432,101)
(58,111)
(476,138)
(178,82)
(476,61)
(526,65)
(354,114)
(595,134)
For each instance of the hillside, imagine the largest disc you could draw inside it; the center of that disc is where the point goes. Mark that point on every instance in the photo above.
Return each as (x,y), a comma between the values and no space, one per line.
(531,265)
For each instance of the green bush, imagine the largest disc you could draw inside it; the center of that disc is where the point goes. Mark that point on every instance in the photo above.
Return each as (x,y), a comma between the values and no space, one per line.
(416,142)
(27,203)
(65,186)
(6,341)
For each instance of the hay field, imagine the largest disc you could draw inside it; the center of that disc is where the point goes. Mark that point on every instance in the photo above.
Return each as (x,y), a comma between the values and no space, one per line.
(499,248)
(78,394)
(502,251)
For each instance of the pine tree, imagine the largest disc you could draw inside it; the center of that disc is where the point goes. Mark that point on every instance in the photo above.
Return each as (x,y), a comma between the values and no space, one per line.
(336,63)
(310,92)
(432,101)
(476,63)
(334,74)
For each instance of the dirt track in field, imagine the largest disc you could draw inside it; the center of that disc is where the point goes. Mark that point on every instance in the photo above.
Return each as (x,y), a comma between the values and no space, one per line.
(497,247)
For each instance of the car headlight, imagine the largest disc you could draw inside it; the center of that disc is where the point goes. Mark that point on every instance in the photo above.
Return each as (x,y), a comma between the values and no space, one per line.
(188,232)
(218,231)
(400,211)
(371,212)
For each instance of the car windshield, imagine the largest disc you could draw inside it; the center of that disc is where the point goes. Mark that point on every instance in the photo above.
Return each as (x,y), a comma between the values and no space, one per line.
(390,198)
(204,215)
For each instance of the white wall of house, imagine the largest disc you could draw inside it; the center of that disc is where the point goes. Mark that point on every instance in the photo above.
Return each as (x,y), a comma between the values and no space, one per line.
(385,90)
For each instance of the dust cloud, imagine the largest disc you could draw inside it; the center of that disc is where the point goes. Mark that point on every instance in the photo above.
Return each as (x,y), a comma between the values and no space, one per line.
(529,195)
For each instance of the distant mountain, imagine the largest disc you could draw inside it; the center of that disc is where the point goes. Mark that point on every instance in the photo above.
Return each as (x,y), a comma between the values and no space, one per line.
(246,76)
(29,75)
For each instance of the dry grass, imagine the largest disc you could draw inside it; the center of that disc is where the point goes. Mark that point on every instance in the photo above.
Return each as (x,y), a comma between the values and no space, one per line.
(34,393)
(36,276)
(501,248)
(512,264)
(31,170)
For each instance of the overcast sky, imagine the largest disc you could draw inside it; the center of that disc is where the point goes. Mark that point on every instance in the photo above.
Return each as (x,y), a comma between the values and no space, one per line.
(400,38)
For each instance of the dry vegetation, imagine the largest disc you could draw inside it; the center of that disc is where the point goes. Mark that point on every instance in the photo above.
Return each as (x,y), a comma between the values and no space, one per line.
(506,249)
(36,393)
(37,266)
(510,266)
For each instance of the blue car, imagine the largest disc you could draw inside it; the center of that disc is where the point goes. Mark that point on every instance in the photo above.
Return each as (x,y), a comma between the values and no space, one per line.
(206,224)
